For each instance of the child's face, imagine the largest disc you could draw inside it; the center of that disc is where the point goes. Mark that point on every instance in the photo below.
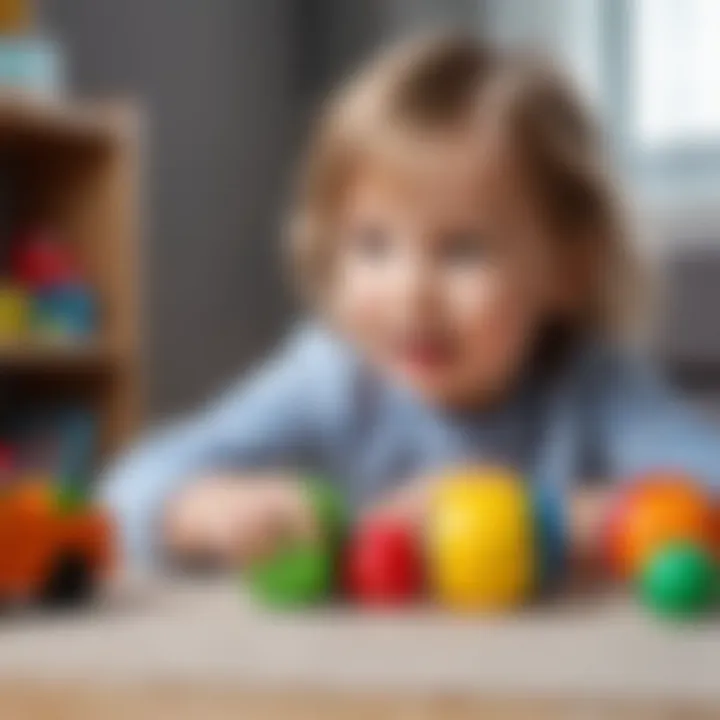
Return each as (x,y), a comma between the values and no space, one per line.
(443,275)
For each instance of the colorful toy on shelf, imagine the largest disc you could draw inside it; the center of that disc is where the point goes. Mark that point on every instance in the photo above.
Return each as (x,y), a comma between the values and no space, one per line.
(64,313)
(304,572)
(56,302)
(484,548)
(41,262)
(28,62)
(14,313)
(384,563)
(33,65)
(661,533)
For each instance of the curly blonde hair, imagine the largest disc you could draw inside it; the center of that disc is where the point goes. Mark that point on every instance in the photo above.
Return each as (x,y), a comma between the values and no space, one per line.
(437,84)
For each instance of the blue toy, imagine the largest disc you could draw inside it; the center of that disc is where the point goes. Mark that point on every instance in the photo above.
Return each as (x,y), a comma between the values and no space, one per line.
(551,536)
(31,64)
(66,312)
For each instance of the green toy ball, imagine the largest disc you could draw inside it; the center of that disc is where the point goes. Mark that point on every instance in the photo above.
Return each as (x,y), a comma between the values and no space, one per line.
(681,580)
(296,576)
(303,573)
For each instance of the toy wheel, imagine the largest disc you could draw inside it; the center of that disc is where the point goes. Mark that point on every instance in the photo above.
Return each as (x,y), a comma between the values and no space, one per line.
(70,582)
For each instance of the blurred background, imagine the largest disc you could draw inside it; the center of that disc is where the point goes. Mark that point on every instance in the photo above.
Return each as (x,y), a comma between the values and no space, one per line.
(140,242)
(225,89)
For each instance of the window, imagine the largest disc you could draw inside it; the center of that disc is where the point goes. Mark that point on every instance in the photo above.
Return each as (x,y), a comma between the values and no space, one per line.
(661,92)
(652,67)
(675,71)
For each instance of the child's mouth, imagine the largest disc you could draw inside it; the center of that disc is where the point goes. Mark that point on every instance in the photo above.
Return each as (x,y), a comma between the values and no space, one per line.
(424,353)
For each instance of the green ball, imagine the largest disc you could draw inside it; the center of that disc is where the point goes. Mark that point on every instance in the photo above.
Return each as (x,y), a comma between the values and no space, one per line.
(295,576)
(303,573)
(681,580)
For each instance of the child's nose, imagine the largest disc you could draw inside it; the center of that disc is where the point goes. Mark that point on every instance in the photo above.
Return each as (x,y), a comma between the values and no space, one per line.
(417,287)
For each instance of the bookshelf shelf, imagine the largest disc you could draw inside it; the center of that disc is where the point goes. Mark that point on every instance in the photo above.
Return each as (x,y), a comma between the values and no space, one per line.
(54,356)
(74,168)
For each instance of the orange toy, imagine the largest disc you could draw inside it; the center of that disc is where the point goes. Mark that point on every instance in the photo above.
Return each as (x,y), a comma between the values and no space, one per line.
(48,554)
(658,508)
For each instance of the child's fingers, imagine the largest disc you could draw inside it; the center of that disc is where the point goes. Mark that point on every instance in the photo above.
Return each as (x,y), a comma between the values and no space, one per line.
(407,505)
(278,515)
(295,517)
(256,542)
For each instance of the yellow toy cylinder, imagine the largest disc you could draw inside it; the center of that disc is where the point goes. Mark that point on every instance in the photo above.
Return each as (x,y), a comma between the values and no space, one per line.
(14,313)
(480,543)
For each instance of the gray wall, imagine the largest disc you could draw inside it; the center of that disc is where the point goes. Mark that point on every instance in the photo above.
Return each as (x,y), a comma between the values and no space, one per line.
(216,79)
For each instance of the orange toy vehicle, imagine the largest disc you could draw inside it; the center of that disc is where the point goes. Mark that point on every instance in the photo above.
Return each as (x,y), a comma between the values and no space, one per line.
(51,550)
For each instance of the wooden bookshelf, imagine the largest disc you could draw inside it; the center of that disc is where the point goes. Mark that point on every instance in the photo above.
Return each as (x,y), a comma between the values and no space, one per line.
(28,355)
(75,168)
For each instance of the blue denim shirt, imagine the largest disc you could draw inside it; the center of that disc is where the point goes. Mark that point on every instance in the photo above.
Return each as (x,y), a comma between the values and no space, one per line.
(316,406)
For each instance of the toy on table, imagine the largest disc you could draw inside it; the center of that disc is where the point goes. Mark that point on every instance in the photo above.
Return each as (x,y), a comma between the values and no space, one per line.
(486,548)
(679,580)
(55,545)
(489,543)
(304,572)
(661,534)
(64,554)
(551,541)
(384,563)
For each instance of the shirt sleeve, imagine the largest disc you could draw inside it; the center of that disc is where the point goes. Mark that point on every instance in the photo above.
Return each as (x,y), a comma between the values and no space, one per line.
(645,425)
(266,421)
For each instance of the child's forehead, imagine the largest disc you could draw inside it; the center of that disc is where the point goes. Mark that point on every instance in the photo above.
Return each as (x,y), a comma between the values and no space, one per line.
(464,170)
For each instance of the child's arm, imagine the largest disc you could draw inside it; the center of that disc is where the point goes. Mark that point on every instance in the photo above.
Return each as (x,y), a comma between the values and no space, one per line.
(641,425)
(233,518)
(264,425)
(644,426)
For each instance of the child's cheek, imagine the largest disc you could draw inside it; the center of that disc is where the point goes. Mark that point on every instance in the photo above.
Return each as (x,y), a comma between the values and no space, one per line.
(358,306)
(494,324)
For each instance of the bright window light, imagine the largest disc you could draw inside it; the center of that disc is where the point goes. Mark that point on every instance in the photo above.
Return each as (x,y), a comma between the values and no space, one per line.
(675,55)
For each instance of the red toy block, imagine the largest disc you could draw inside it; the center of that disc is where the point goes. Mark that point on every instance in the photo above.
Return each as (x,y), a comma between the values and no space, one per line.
(384,563)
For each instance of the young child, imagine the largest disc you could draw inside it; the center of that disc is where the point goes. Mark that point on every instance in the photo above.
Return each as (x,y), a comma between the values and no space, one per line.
(470,274)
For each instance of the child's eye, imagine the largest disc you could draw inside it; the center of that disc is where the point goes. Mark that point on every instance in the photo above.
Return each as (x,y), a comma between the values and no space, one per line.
(371,242)
(465,247)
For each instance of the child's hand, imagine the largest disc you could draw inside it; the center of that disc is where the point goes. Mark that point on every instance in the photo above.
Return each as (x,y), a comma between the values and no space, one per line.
(587,514)
(236,520)
(408,504)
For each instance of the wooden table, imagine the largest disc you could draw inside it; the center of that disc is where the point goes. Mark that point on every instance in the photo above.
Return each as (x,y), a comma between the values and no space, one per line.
(201,651)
